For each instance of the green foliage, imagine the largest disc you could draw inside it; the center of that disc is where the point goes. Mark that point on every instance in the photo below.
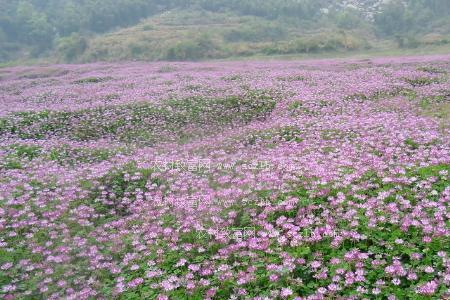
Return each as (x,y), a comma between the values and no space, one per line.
(273,136)
(197,48)
(318,43)
(256,33)
(17,154)
(92,80)
(297,108)
(432,70)
(71,47)
(349,19)
(27,151)
(408,41)
(407,19)
(66,155)
(421,81)
(391,20)
(290,134)
(34,27)
(412,144)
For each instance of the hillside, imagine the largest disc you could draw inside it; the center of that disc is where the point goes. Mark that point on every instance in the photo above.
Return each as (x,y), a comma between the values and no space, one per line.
(76,31)
(192,35)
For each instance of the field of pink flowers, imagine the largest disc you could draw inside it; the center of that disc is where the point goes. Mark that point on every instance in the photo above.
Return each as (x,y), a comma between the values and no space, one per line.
(322,179)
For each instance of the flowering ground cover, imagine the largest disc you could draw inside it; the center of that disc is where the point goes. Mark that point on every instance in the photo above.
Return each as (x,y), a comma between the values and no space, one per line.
(228,180)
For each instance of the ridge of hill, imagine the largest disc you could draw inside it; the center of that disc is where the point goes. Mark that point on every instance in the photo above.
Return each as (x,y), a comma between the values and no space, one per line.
(193,35)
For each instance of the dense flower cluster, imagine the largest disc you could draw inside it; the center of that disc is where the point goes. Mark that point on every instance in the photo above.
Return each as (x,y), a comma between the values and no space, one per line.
(232,180)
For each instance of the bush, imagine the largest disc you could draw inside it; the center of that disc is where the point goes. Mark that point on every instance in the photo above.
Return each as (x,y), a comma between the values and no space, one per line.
(71,47)
(255,33)
(318,43)
(92,80)
(136,49)
(200,47)
(147,27)
(348,19)
(183,51)
(409,41)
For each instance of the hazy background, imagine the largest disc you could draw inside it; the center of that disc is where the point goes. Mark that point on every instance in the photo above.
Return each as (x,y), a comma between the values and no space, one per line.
(93,30)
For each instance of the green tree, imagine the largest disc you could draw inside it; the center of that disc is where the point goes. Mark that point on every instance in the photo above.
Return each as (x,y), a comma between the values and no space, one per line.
(348,19)
(391,19)
(71,47)
(33,27)
(194,49)
(70,19)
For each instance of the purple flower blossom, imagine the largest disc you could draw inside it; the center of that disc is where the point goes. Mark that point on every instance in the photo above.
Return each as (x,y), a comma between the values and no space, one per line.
(180,178)
(428,288)
(285,292)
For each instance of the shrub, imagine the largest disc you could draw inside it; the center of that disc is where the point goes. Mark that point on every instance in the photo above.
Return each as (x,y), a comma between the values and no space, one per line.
(92,80)
(421,81)
(318,43)
(71,47)
(197,48)
(407,41)
(255,33)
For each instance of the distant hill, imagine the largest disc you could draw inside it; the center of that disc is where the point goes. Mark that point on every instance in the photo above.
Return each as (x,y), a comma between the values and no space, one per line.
(89,30)
(193,35)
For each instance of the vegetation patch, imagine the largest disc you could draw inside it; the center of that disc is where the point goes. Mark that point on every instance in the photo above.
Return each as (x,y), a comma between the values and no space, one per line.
(92,80)
(422,81)
(142,122)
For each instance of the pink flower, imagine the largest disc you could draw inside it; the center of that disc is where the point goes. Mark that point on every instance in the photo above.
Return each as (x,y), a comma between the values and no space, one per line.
(152,274)
(194,268)
(335,261)
(9,288)
(6,266)
(412,276)
(442,254)
(427,239)
(211,292)
(333,287)
(286,292)
(120,288)
(181,263)
(190,285)
(273,277)
(167,285)
(204,282)
(428,288)
(416,256)
(135,282)
(61,283)
(315,264)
